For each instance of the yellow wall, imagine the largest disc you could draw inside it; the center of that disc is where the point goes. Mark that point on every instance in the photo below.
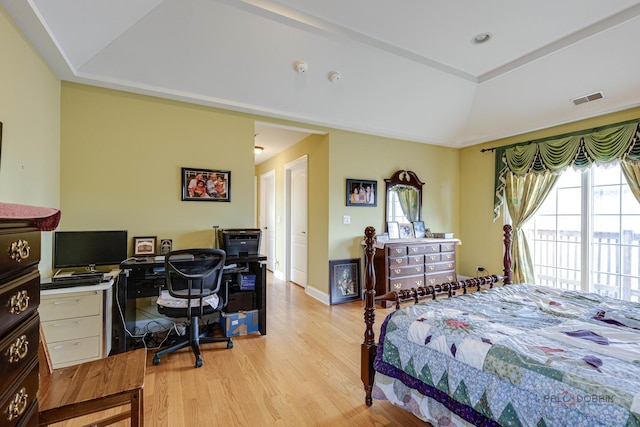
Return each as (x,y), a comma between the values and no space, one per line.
(482,242)
(121,160)
(30,113)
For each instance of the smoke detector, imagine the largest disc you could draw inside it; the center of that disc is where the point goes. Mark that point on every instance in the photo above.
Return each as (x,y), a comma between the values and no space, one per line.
(300,67)
(334,77)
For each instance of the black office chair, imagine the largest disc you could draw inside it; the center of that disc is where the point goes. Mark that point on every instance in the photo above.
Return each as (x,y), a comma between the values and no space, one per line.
(193,275)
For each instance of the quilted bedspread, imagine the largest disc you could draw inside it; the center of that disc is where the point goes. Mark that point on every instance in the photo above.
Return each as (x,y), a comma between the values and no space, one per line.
(519,355)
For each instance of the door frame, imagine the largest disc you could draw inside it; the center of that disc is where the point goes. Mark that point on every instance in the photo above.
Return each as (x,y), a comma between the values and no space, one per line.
(264,178)
(301,162)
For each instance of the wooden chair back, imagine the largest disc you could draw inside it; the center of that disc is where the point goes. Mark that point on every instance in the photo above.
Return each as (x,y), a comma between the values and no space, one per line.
(92,387)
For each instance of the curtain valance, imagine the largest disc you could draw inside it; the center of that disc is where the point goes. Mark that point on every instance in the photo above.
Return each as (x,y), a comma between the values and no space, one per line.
(620,141)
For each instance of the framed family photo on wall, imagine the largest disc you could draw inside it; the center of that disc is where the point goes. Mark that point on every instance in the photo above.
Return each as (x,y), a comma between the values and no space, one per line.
(206,185)
(361,192)
(344,276)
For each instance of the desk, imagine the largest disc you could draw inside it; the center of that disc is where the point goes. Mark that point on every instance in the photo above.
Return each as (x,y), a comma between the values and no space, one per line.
(146,278)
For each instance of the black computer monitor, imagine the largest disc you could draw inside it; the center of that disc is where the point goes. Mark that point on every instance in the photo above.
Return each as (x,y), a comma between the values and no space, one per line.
(89,248)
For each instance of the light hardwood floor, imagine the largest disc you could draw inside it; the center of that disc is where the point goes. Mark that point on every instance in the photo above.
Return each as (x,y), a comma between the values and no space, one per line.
(304,372)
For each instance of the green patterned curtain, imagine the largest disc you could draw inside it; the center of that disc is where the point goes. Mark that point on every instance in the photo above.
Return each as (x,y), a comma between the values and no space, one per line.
(631,170)
(579,150)
(408,197)
(524,194)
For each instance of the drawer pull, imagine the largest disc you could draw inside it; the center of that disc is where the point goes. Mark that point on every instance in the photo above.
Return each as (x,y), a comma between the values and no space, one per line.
(19,250)
(450,278)
(418,282)
(19,302)
(18,404)
(432,281)
(450,265)
(399,250)
(399,260)
(432,267)
(397,270)
(419,269)
(414,250)
(63,324)
(58,302)
(433,257)
(397,286)
(19,349)
(61,346)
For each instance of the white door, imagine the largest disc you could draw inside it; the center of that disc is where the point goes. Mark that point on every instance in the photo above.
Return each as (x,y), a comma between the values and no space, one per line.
(298,221)
(268,218)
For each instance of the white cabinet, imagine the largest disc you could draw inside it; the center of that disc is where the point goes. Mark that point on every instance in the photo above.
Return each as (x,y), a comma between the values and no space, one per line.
(77,323)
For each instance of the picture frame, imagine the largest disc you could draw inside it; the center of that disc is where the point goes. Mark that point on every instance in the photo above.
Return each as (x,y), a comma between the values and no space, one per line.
(206,185)
(418,229)
(406,230)
(144,246)
(393,229)
(361,192)
(344,276)
(427,233)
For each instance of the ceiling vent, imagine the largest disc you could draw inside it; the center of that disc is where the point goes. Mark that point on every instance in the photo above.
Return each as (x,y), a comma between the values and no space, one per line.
(588,98)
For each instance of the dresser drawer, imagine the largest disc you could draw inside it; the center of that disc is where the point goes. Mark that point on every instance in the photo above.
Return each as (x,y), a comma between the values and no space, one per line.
(396,262)
(449,256)
(18,300)
(66,306)
(415,259)
(70,329)
(447,247)
(71,352)
(397,251)
(439,278)
(424,249)
(410,270)
(440,266)
(431,258)
(18,349)
(19,397)
(406,282)
(19,249)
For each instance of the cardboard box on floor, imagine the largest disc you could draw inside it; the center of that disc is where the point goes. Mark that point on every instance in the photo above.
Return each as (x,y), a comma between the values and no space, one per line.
(240,323)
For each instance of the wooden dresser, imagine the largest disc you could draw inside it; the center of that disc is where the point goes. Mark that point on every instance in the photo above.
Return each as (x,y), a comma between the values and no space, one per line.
(19,322)
(406,264)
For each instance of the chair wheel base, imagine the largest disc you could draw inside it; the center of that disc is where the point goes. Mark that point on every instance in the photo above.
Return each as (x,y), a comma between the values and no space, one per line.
(229,344)
(156,360)
(198,362)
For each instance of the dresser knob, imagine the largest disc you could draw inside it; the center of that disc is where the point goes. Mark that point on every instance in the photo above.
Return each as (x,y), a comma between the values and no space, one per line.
(18,404)
(19,349)
(450,265)
(19,250)
(397,286)
(432,281)
(398,260)
(397,270)
(19,302)
(431,267)
(418,282)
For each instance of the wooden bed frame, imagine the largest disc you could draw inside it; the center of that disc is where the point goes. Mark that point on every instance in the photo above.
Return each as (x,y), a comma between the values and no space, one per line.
(369,346)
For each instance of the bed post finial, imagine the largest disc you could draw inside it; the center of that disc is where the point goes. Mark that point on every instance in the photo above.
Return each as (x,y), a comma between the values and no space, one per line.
(369,348)
(507,254)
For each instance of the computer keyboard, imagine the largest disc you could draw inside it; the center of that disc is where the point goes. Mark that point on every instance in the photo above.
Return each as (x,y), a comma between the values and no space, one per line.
(70,281)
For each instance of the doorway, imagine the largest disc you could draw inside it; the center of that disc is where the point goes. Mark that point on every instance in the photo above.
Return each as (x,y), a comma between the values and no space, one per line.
(268,217)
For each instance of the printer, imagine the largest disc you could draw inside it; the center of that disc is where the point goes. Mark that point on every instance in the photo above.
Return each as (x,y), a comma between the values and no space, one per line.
(240,241)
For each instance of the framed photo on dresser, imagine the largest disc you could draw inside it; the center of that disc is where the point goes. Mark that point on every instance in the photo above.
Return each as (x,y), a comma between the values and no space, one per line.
(418,229)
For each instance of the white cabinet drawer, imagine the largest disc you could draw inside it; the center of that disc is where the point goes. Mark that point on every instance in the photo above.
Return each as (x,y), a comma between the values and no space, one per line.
(70,329)
(72,352)
(65,306)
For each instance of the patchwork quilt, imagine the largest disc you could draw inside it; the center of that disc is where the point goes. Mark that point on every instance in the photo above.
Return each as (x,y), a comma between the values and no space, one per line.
(515,355)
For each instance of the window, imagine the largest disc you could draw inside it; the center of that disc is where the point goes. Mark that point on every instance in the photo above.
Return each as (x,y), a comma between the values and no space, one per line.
(586,235)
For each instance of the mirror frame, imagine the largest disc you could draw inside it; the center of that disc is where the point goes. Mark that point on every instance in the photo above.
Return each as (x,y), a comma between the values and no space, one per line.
(402,177)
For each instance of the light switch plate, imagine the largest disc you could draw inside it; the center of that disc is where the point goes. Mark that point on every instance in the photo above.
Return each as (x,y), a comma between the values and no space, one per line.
(346,219)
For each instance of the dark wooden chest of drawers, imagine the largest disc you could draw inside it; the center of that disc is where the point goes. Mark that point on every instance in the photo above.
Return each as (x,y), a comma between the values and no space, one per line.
(19,322)
(406,264)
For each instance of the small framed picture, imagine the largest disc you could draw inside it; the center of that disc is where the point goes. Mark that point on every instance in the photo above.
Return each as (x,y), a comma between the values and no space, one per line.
(144,246)
(361,192)
(393,230)
(344,275)
(418,229)
(406,230)
(206,185)
(428,233)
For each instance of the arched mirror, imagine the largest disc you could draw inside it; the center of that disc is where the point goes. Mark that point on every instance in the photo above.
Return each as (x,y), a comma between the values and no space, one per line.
(404,197)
